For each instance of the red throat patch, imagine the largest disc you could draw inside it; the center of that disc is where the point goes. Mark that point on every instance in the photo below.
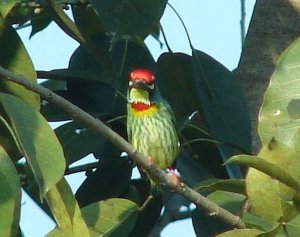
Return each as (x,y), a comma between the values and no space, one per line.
(140,106)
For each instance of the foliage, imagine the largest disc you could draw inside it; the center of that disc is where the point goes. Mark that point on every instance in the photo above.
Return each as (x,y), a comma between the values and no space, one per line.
(212,120)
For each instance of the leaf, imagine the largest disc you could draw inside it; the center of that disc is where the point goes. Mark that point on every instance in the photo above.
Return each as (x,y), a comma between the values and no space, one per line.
(39,23)
(77,141)
(110,179)
(38,141)
(229,185)
(112,217)
(230,201)
(176,71)
(266,167)
(276,200)
(15,58)
(6,6)
(147,217)
(86,20)
(293,227)
(241,232)
(279,114)
(66,211)
(224,107)
(10,196)
(133,18)
(256,222)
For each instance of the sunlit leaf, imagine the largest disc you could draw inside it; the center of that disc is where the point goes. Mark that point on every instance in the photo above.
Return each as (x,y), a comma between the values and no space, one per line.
(112,217)
(38,141)
(279,114)
(66,211)
(15,58)
(242,232)
(10,196)
(6,6)
(276,199)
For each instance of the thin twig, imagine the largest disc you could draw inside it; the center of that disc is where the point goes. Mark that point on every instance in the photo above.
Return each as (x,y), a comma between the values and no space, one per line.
(165,38)
(242,22)
(211,208)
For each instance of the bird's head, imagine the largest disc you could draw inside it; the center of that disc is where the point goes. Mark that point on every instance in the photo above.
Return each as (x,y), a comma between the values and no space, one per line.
(141,87)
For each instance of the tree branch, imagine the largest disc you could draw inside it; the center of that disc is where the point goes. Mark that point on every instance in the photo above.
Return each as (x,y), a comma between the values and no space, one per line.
(211,208)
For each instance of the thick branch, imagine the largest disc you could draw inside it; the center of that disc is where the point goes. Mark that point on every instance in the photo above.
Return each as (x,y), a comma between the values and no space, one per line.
(211,208)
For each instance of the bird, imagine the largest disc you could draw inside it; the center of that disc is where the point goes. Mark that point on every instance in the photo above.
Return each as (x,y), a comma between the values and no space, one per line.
(151,123)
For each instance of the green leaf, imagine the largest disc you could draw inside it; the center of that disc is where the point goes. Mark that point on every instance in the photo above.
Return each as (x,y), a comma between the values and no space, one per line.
(256,222)
(279,114)
(39,23)
(112,217)
(86,20)
(242,232)
(230,201)
(229,185)
(6,6)
(276,199)
(10,196)
(66,211)
(77,141)
(266,167)
(147,217)
(38,141)
(293,227)
(133,18)
(224,107)
(15,58)
(110,179)
(176,71)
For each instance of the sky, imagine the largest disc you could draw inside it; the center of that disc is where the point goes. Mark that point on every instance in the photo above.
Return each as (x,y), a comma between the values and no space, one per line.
(213,26)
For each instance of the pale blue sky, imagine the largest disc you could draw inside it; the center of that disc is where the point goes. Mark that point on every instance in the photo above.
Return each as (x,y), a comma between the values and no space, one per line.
(214,27)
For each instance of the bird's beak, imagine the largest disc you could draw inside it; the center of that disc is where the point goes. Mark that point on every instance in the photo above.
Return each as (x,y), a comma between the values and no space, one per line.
(140,84)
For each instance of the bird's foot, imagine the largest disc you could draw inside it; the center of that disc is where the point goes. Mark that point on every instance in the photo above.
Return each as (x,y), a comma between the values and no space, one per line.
(150,161)
(175,179)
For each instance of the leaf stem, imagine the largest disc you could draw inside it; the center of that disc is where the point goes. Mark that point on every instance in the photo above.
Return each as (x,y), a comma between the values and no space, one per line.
(184,26)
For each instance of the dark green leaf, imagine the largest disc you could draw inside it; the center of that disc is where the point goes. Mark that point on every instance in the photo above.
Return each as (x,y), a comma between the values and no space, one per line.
(38,141)
(147,217)
(86,20)
(10,196)
(113,217)
(176,71)
(77,141)
(110,179)
(230,201)
(229,185)
(207,226)
(66,211)
(224,107)
(39,23)
(15,58)
(256,222)
(129,18)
